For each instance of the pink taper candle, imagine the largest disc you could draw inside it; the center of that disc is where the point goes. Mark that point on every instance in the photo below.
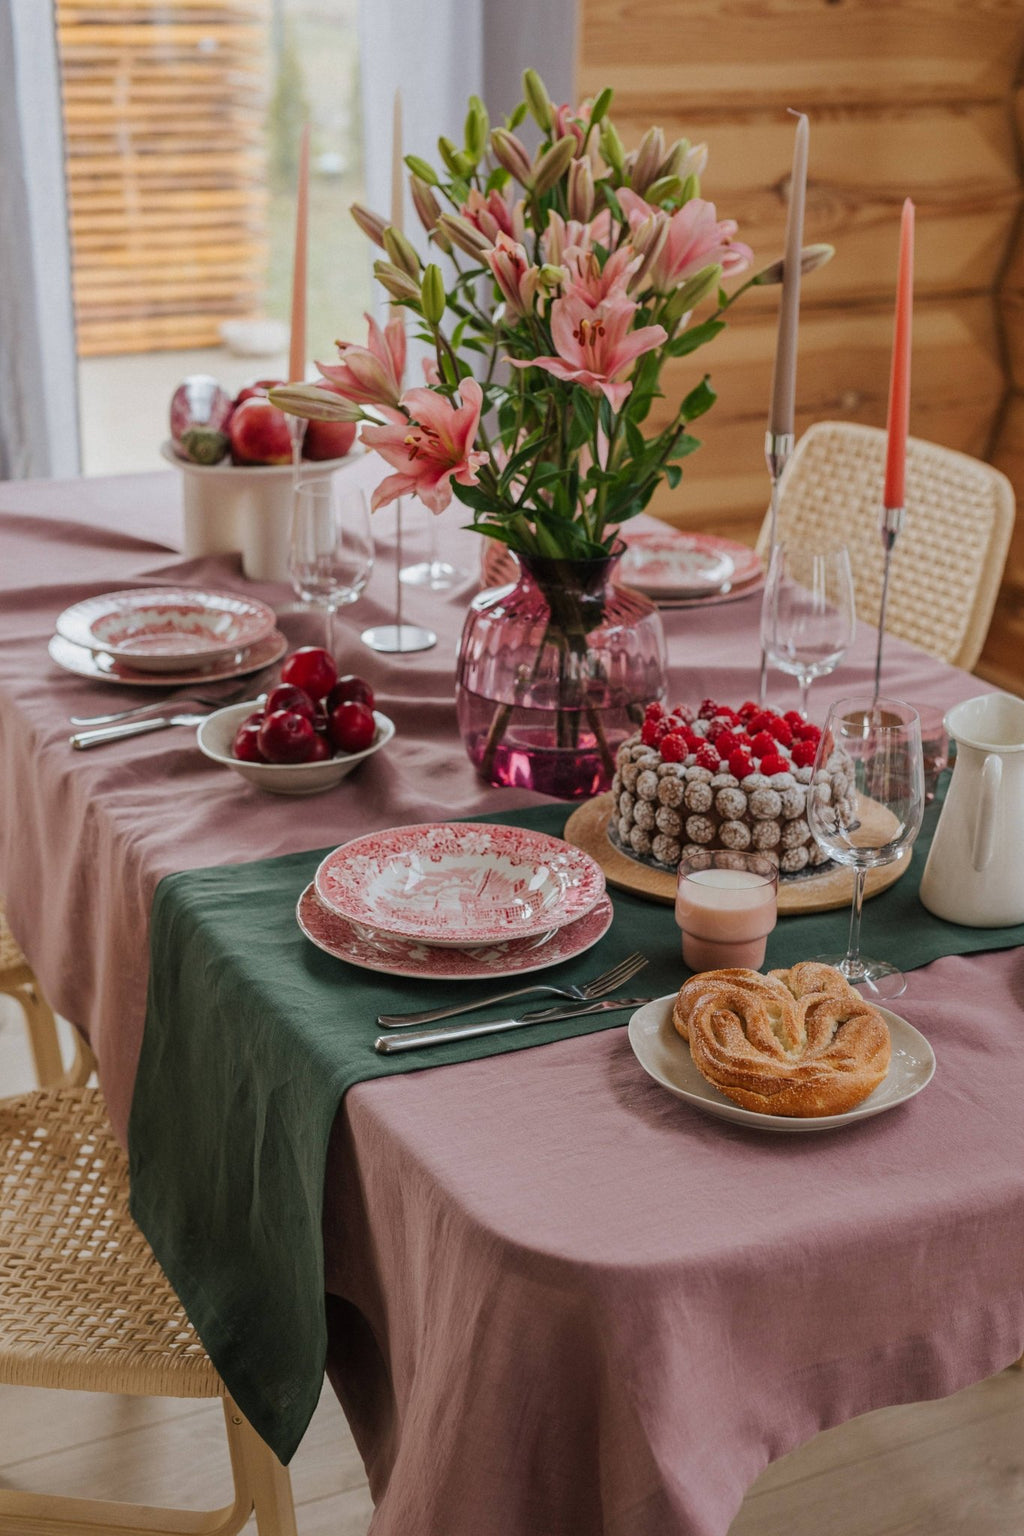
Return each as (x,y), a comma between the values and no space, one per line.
(899,379)
(297,346)
(780,419)
(397,170)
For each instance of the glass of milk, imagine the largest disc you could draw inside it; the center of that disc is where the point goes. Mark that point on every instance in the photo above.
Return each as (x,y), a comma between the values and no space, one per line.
(726,907)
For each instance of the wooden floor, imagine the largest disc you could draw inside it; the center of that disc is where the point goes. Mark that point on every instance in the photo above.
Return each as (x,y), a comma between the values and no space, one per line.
(952,1468)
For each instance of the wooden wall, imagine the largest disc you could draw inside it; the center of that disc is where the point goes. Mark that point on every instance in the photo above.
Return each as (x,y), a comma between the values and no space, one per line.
(164,111)
(905,97)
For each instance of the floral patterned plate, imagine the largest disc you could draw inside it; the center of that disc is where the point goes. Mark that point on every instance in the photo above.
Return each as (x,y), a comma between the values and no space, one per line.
(400,957)
(108,669)
(167,629)
(459,883)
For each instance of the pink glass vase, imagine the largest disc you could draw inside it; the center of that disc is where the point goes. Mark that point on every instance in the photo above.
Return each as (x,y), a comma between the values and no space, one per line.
(554,673)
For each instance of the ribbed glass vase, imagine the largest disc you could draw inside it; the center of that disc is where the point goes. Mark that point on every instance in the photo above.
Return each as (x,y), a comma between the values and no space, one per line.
(554,673)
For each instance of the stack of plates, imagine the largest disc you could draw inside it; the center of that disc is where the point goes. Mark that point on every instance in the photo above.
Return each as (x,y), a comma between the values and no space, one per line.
(456,901)
(164,636)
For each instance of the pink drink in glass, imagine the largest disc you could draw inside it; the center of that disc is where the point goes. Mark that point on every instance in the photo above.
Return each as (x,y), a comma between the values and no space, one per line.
(726,907)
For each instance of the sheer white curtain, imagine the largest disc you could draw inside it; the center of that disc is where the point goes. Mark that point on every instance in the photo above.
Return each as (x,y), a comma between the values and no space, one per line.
(38,399)
(440,52)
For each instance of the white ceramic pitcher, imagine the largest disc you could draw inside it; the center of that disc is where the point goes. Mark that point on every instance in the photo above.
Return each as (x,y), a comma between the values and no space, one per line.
(975,870)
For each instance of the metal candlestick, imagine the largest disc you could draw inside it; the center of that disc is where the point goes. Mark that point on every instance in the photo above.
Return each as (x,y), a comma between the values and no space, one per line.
(398,637)
(777,448)
(891,526)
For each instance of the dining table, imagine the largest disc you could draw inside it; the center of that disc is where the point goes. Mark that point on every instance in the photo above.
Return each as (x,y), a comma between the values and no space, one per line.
(552,1298)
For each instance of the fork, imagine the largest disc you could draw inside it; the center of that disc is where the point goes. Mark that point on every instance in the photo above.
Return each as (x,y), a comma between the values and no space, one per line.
(235,696)
(598,986)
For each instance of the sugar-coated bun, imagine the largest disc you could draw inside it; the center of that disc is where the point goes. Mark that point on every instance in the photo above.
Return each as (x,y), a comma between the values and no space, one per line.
(799,1042)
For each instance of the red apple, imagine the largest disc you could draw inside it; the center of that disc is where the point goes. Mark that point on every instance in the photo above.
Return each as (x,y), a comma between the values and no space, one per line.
(320,750)
(287,696)
(350,690)
(246,746)
(259,433)
(351,727)
(328,439)
(258,389)
(285,737)
(312,669)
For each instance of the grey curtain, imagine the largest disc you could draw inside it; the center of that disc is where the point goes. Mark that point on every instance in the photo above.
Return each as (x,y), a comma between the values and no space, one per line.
(38,396)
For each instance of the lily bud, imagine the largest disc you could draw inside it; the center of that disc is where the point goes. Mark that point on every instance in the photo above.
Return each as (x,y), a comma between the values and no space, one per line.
(369,222)
(428,209)
(477,124)
(511,154)
(401,252)
(458,163)
(674,163)
(690,294)
(601,105)
(538,100)
(552,277)
(315,403)
(691,187)
(696,161)
(396,282)
(432,295)
(552,165)
(811,258)
(423,169)
(581,191)
(648,240)
(465,235)
(648,159)
(663,190)
(612,148)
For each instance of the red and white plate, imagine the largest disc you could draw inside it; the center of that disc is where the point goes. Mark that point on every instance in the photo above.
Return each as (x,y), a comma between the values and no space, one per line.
(426,962)
(667,565)
(167,629)
(459,883)
(102,668)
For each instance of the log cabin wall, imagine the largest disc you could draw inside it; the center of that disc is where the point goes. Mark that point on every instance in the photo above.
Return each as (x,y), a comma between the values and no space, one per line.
(918,98)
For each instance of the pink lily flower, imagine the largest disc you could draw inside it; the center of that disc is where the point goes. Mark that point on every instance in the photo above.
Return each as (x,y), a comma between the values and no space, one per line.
(595,284)
(696,238)
(494,215)
(430,443)
(514,275)
(560,235)
(370,375)
(596,345)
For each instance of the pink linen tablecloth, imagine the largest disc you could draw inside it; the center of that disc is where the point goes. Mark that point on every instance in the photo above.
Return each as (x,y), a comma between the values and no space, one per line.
(563,1303)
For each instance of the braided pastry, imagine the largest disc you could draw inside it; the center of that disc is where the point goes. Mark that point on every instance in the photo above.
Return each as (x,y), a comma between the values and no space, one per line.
(800,1042)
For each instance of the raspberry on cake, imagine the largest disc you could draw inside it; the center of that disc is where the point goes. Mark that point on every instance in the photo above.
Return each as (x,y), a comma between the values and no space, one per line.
(720,778)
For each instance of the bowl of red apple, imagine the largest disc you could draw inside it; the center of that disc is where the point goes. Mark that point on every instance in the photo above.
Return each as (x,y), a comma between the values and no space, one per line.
(306,735)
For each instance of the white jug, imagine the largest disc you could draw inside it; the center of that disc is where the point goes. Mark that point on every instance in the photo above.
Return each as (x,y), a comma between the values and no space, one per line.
(975,870)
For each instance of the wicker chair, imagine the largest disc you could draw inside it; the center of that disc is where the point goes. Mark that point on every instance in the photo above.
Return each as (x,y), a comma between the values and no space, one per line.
(18,981)
(85,1306)
(948,561)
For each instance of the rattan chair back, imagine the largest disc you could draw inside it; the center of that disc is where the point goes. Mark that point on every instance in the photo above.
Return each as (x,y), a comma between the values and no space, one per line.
(948,561)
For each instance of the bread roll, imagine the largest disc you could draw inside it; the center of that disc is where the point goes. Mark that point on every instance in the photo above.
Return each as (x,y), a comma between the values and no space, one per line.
(800,1042)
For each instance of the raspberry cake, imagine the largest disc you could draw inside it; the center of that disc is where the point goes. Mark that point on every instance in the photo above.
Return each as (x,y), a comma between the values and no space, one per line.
(722,778)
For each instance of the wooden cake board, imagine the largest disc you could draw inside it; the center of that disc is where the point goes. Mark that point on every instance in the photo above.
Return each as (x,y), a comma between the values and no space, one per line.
(587,828)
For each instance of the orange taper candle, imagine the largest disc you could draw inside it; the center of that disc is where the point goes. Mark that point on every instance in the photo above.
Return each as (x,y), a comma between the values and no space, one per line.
(297,346)
(899,379)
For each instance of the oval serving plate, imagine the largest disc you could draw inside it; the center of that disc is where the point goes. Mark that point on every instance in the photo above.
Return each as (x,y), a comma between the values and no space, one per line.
(166,629)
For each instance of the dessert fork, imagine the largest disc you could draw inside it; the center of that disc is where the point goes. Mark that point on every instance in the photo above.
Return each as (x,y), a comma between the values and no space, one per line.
(234,696)
(598,986)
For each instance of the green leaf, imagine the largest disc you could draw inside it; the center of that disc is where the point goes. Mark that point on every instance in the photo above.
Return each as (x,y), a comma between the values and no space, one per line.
(498,179)
(673,475)
(613,203)
(685,446)
(689,341)
(699,400)
(517,116)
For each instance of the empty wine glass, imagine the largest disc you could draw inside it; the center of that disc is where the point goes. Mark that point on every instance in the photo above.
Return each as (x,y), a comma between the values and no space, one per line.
(807,615)
(330,553)
(864,807)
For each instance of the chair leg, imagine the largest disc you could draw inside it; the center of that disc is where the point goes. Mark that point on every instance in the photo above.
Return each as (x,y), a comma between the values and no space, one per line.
(266,1481)
(42,1035)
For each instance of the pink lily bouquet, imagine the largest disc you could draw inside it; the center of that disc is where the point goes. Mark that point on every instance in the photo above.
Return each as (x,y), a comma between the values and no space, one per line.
(569,278)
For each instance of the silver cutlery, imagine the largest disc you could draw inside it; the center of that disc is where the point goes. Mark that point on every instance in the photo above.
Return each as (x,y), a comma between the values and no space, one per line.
(598,986)
(84,739)
(387,1044)
(235,696)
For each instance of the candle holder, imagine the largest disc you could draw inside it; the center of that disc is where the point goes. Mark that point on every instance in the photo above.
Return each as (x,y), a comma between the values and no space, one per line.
(398,638)
(777,448)
(891,526)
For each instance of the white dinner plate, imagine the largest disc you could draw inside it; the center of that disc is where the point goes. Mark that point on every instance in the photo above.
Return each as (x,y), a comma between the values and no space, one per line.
(167,629)
(426,962)
(108,669)
(665,1056)
(459,883)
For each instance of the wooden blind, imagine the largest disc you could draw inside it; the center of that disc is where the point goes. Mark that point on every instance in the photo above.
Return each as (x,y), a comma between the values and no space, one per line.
(164,109)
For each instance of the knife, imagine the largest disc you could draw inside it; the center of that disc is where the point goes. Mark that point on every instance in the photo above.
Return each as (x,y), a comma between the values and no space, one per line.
(96,738)
(413,1039)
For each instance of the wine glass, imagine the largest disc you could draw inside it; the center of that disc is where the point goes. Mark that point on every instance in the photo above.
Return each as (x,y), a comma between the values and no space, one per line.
(330,553)
(807,615)
(864,807)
